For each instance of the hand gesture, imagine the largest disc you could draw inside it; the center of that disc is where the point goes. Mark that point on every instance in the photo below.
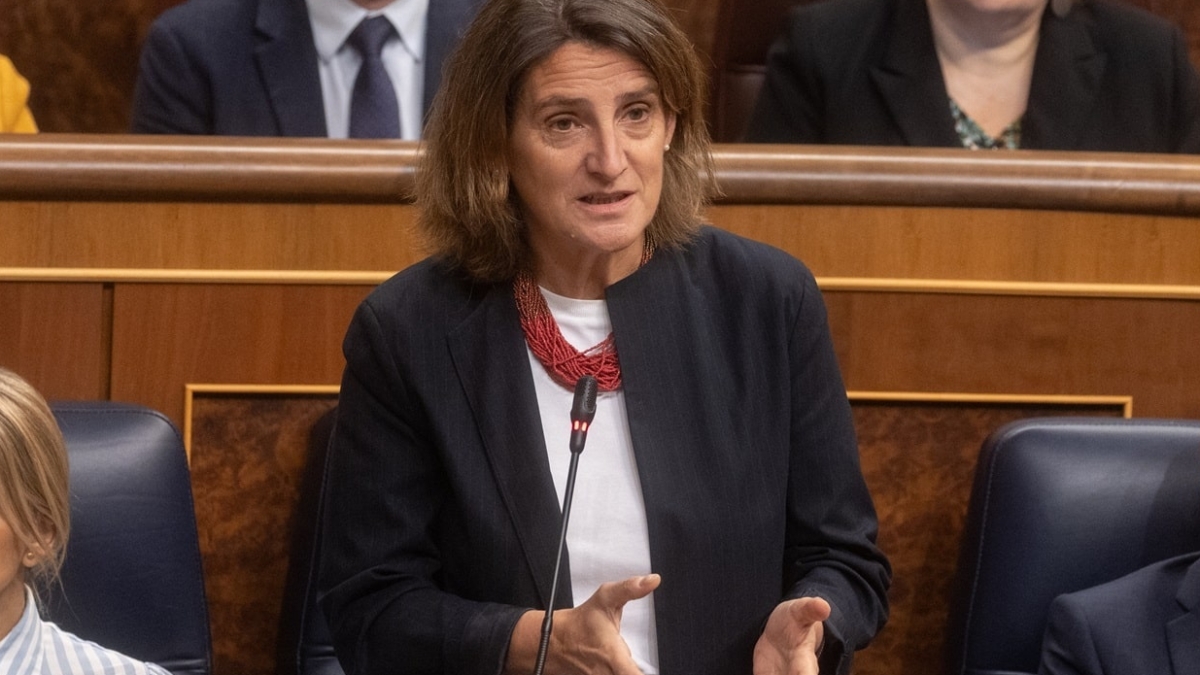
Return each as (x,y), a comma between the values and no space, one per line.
(585,640)
(790,641)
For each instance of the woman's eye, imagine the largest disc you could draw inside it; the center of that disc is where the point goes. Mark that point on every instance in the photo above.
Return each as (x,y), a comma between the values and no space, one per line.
(562,124)
(638,114)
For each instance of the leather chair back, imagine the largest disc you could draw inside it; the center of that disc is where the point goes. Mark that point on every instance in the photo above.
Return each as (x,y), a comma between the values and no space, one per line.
(305,646)
(132,579)
(1059,505)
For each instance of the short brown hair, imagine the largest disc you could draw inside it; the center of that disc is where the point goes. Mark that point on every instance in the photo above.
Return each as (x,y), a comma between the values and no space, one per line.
(34,499)
(466,202)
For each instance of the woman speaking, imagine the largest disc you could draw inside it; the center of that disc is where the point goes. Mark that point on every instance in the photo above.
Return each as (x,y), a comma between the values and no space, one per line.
(721,524)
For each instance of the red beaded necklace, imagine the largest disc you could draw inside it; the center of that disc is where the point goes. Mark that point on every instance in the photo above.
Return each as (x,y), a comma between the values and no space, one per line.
(564,363)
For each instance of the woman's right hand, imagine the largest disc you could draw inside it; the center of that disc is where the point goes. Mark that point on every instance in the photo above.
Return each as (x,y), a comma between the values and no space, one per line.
(585,640)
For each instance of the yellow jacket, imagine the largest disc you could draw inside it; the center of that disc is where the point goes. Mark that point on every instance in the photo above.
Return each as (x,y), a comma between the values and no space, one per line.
(14,91)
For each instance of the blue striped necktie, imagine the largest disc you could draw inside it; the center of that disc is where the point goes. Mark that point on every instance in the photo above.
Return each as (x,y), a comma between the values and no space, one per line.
(374,110)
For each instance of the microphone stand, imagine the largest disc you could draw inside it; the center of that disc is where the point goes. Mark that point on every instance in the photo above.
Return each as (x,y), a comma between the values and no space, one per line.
(583,410)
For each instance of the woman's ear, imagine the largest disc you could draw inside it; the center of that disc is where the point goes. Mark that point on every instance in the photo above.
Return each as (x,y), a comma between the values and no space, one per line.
(36,552)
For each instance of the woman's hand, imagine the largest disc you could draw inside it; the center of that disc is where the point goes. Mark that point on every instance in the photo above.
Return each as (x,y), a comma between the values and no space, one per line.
(585,640)
(793,635)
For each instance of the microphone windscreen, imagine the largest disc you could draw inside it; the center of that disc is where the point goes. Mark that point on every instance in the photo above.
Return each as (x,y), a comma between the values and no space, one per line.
(584,407)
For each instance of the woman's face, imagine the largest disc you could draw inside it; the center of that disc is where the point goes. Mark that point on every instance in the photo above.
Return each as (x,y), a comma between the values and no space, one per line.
(12,578)
(586,152)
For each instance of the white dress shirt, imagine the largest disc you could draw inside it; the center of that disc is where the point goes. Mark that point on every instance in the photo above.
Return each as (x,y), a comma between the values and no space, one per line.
(36,647)
(338,63)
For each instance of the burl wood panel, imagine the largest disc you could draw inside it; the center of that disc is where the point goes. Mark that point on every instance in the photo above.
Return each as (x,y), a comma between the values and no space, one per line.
(919,460)
(248,457)
(55,336)
(166,336)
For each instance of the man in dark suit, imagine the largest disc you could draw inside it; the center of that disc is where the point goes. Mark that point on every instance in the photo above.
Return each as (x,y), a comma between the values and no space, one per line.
(1107,76)
(1144,622)
(282,67)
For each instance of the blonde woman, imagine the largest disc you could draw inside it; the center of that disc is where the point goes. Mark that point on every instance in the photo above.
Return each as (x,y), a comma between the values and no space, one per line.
(1099,75)
(34,523)
(14,92)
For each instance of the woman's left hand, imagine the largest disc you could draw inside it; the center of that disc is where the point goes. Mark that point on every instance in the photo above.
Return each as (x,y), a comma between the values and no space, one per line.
(789,643)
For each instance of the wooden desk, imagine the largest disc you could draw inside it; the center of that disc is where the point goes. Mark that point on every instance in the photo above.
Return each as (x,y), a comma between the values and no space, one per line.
(212,279)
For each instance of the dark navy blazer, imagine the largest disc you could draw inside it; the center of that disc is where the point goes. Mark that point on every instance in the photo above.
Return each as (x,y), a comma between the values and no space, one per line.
(442,519)
(1144,622)
(1107,77)
(249,67)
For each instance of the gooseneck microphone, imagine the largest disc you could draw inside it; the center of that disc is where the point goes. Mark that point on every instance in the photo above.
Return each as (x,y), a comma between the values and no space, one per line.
(583,410)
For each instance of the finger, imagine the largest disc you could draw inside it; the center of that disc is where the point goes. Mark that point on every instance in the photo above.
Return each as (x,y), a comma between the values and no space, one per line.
(809,610)
(616,594)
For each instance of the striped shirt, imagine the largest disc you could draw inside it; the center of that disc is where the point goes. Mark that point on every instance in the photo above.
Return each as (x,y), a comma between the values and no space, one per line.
(36,647)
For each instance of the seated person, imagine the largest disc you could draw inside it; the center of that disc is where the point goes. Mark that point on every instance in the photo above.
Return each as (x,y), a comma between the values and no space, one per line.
(34,522)
(14,94)
(1144,622)
(1068,75)
(294,67)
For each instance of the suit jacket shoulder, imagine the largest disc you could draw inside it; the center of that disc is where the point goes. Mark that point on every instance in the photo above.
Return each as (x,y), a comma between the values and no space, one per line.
(1144,622)
(230,67)
(1108,77)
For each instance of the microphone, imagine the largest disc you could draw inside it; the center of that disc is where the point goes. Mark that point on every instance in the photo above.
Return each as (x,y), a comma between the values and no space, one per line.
(583,410)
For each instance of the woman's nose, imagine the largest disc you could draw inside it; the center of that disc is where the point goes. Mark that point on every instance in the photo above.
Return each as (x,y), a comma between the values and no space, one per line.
(607,158)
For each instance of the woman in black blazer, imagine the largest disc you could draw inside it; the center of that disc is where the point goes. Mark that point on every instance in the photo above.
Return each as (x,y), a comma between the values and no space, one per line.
(721,524)
(1084,75)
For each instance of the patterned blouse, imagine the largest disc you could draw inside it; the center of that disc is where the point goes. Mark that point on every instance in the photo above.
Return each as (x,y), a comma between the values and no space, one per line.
(36,647)
(975,138)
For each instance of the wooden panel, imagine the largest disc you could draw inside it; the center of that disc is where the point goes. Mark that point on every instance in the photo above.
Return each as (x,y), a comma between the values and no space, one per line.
(248,455)
(1095,346)
(174,235)
(54,335)
(166,336)
(882,243)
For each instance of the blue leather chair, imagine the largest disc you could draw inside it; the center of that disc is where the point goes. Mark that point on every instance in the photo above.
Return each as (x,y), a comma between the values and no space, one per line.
(132,579)
(305,646)
(1058,505)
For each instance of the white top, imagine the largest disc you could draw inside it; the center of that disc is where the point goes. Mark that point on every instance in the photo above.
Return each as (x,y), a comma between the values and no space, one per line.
(36,647)
(338,63)
(607,536)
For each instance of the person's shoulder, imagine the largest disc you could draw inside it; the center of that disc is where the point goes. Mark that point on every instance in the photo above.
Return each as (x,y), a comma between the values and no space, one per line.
(836,19)
(64,650)
(1118,21)
(428,288)
(734,256)
(1156,580)
(197,16)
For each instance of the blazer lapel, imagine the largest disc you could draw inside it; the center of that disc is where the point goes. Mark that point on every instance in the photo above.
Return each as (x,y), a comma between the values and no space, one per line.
(1183,633)
(488,349)
(910,81)
(1066,82)
(443,26)
(287,65)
